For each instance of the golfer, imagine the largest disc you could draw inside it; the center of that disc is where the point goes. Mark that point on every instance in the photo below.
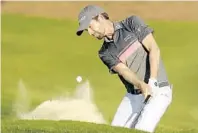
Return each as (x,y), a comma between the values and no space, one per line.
(130,51)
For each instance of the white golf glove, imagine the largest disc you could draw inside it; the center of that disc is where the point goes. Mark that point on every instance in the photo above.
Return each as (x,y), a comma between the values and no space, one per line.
(154,86)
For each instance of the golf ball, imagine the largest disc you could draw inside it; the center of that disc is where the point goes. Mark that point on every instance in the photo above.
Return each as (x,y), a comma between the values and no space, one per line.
(78,79)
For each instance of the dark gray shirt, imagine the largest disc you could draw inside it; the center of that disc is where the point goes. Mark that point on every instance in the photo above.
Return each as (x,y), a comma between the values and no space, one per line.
(126,46)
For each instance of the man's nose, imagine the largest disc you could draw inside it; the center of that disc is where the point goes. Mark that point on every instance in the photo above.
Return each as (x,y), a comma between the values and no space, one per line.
(90,32)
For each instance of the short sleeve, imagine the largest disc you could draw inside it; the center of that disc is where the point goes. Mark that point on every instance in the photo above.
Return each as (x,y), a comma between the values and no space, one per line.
(138,26)
(109,60)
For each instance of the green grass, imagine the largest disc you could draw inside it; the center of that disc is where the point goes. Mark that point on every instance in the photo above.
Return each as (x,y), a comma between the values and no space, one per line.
(75,127)
(47,55)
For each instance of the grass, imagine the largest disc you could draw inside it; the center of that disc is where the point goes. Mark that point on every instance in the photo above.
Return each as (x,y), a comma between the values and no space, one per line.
(74,127)
(47,55)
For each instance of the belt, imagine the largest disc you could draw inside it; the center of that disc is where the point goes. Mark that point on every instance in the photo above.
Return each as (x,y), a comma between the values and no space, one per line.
(163,84)
(134,91)
(138,91)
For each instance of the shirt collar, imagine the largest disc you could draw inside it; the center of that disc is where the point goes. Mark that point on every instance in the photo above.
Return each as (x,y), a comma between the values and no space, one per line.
(116,26)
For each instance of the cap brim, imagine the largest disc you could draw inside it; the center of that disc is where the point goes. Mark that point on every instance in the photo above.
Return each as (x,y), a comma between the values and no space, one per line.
(82,27)
(78,33)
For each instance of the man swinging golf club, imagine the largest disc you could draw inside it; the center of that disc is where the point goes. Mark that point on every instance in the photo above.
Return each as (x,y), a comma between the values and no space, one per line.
(130,51)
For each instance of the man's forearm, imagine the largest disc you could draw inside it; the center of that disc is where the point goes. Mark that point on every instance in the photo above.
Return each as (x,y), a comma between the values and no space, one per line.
(131,77)
(154,54)
(154,57)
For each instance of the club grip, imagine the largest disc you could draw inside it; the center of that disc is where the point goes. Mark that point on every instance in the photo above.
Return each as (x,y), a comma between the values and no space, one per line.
(147,98)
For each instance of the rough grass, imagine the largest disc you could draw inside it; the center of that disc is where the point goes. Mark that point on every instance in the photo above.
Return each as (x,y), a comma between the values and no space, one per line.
(47,56)
(75,127)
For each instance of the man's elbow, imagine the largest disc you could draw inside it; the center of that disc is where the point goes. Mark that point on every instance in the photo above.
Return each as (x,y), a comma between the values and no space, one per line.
(158,51)
(119,68)
(155,51)
(151,45)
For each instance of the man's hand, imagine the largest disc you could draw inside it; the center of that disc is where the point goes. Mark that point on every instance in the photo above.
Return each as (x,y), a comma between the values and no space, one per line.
(131,77)
(154,86)
(146,89)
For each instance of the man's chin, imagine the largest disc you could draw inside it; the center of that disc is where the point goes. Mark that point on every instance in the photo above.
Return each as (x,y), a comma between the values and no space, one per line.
(99,38)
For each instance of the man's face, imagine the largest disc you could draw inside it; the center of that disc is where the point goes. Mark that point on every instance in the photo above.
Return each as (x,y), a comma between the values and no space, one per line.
(97,28)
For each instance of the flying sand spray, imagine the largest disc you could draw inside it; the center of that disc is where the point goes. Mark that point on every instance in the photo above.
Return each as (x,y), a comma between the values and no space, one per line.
(78,107)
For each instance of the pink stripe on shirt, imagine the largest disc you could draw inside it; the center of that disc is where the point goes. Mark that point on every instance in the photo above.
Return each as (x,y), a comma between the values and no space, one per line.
(129,51)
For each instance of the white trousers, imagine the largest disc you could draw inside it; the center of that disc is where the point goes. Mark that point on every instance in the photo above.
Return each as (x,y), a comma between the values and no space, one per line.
(150,116)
